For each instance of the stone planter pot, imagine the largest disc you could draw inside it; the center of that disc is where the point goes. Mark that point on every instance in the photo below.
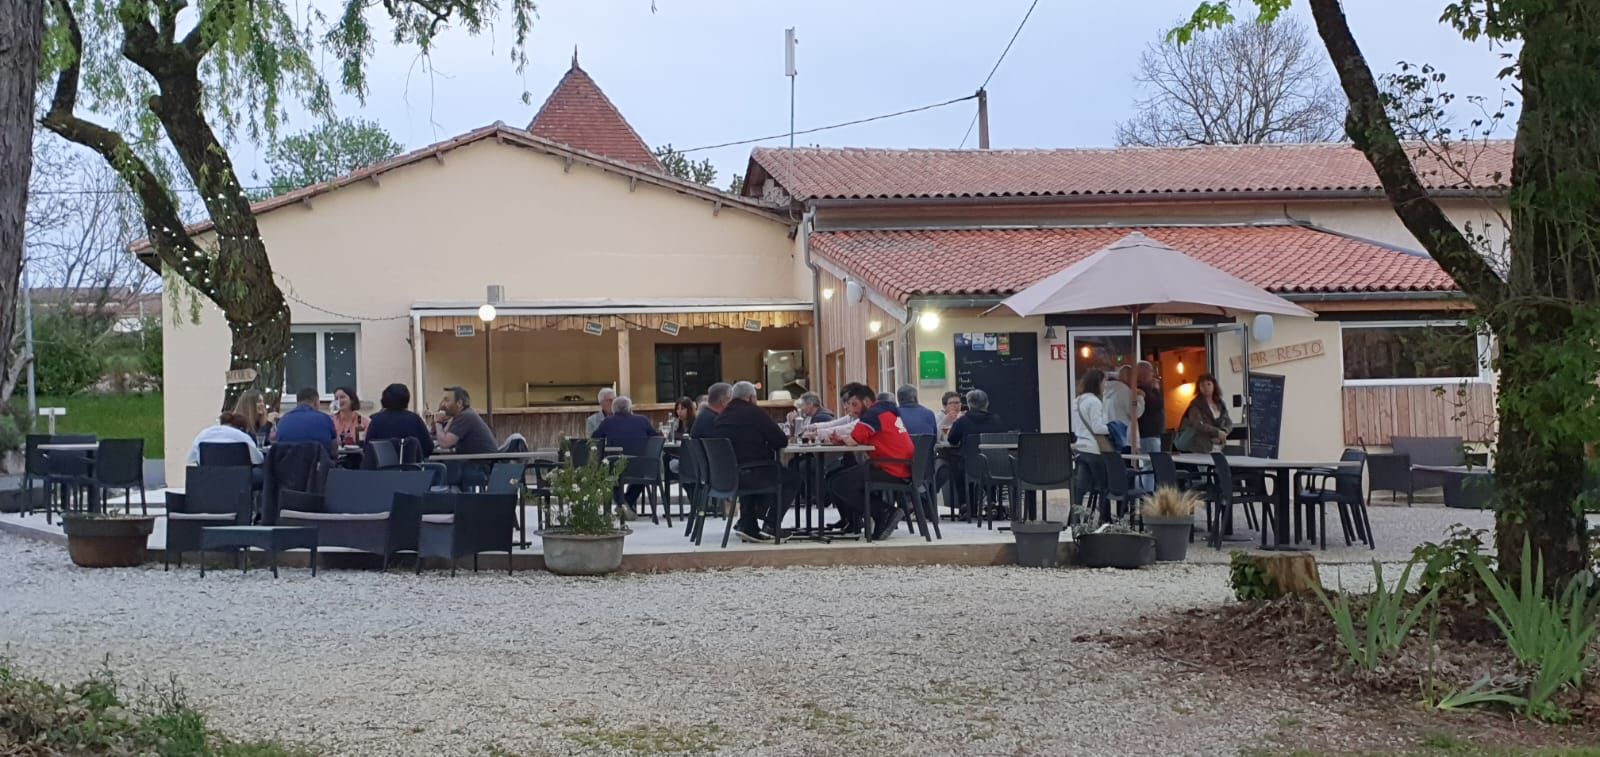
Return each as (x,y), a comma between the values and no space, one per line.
(1172,537)
(569,554)
(1037,543)
(1116,550)
(107,541)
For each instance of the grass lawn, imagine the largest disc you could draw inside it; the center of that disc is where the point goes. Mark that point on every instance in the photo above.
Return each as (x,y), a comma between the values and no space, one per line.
(109,416)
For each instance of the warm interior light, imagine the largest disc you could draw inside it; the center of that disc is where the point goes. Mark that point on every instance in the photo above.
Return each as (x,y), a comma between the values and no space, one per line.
(1086,352)
(827,293)
(929,321)
(486,313)
(1185,391)
(1180,367)
(874,326)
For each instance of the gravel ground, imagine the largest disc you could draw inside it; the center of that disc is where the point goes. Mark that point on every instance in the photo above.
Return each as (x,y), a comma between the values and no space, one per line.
(879,661)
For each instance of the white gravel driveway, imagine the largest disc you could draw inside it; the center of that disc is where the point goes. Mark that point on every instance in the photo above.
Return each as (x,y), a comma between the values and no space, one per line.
(879,661)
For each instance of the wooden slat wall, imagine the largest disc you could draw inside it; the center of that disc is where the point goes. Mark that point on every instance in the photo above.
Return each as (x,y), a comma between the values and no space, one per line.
(1375,414)
(844,327)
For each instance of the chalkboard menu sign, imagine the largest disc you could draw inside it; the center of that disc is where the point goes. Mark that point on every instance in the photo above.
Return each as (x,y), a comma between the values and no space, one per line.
(1006,366)
(1266,413)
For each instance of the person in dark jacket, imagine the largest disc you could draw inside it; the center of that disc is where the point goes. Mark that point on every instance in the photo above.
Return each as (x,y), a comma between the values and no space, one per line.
(977,419)
(918,420)
(756,438)
(624,426)
(716,400)
(396,421)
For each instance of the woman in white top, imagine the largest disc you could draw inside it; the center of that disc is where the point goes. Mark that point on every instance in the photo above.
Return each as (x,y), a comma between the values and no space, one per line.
(1089,412)
(229,430)
(1088,420)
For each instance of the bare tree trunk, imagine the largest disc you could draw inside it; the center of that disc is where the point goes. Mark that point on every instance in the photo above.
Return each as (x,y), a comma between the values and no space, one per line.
(1554,264)
(21,32)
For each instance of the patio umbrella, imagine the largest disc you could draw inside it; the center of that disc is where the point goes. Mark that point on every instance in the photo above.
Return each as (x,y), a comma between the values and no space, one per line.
(1139,275)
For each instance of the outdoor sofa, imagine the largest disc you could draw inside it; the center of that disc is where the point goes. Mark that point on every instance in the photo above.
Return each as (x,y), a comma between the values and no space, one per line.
(358,509)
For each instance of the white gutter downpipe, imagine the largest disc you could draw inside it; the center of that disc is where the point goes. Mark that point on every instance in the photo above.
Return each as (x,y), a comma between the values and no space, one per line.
(806,221)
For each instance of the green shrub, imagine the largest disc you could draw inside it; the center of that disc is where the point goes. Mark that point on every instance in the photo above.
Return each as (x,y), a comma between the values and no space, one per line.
(11,437)
(94,717)
(1387,624)
(582,497)
(1248,580)
(1448,566)
(1549,635)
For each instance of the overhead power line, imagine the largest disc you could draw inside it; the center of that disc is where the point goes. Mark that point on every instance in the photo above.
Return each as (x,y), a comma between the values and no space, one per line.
(998,61)
(814,130)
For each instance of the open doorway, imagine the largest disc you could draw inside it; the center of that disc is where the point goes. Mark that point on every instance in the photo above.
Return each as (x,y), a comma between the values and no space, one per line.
(1179,357)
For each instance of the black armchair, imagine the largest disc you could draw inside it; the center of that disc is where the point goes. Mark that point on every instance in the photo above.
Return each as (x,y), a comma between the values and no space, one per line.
(454,525)
(212,496)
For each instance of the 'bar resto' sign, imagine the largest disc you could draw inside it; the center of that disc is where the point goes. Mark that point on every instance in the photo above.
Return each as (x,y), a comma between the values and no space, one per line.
(1278,355)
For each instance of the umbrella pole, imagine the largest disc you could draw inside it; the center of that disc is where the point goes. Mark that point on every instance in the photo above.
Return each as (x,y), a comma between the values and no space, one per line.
(1138,354)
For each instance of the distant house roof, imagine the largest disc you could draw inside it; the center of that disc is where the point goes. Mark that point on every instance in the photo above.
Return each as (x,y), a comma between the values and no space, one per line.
(578,114)
(118,301)
(1169,172)
(1284,258)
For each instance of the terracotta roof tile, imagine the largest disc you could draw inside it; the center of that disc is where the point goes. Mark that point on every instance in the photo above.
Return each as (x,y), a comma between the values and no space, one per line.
(579,115)
(816,172)
(1282,258)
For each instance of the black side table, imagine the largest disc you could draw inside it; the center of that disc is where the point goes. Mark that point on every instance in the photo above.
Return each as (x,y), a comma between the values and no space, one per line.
(271,539)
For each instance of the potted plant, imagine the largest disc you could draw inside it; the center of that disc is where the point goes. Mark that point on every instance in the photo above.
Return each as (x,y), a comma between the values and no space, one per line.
(1112,545)
(582,534)
(96,540)
(1169,514)
(1038,542)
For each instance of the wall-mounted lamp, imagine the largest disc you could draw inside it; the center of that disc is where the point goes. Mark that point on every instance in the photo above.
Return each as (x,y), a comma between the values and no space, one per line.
(874,326)
(929,320)
(486,313)
(853,293)
(827,293)
(1050,334)
(1086,352)
(1180,367)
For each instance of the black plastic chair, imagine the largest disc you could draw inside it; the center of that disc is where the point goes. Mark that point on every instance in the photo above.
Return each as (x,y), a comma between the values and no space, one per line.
(914,493)
(1167,473)
(1096,498)
(218,495)
(1390,472)
(1119,487)
(692,477)
(1223,496)
(578,449)
(642,467)
(68,474)
(228,454)
(457,524)
(724,481)
(119,464)
(1345,491)
(35,467)
(1043,464)
(381,454)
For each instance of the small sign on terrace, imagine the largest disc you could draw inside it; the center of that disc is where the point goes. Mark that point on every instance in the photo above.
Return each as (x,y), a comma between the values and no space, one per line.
(752,324)
(593,328)
(670,328)
(466,331)
(242,376)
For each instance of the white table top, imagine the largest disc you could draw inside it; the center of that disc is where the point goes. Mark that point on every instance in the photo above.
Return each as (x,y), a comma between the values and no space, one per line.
(998,446)
(823,449)
(538,454)
(77,447)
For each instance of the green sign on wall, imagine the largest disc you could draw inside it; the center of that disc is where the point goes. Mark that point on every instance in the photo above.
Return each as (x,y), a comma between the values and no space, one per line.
(930,367)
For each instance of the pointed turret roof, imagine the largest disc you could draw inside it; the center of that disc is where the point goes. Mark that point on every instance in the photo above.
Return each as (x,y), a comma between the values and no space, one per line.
(579,115)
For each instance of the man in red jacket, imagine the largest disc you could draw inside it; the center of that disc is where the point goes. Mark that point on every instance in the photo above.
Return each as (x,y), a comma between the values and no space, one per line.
(878,425)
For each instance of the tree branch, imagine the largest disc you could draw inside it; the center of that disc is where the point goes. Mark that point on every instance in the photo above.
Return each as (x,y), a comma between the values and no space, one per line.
(1369,127)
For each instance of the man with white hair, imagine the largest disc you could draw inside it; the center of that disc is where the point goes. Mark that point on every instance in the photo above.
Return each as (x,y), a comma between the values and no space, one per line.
(756,440)
(606,397)
(624,429)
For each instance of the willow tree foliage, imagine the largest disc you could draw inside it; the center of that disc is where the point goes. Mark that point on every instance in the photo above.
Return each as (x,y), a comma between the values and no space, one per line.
(138,80)
(1543,301)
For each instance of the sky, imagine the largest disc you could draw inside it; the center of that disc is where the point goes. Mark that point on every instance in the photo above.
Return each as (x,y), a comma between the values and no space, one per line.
(701,72)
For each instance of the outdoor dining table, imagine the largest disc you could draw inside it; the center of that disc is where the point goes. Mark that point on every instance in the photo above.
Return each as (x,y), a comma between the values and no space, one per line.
(1281,470)
(821,452)
(537,454)
(84,451)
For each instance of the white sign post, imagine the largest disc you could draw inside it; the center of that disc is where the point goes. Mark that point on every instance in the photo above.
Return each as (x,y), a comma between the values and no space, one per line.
(52,412)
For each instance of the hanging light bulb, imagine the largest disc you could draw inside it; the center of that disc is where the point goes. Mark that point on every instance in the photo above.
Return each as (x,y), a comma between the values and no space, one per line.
(1086,352)
(1180,367)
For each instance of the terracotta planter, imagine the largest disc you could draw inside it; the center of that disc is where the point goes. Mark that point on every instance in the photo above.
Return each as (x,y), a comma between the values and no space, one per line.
(1116,550)
(107,542)
(569,554)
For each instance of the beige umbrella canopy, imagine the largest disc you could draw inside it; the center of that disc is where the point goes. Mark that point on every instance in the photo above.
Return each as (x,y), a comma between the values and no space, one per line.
(1140,274)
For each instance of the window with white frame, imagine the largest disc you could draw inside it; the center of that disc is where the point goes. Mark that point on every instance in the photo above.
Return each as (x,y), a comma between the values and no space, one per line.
(323,357)
(1413,352)
(888,373)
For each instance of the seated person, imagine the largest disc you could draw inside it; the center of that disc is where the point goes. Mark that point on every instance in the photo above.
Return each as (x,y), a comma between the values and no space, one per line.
(977,419)
(306,423)
(716,401)
(465,432)
(756,438)
(230,429)
(918,420)
(396,421)
(877,425)
(622,425)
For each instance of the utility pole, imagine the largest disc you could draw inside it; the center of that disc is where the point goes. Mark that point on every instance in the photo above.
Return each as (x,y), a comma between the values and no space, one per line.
(983,119)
